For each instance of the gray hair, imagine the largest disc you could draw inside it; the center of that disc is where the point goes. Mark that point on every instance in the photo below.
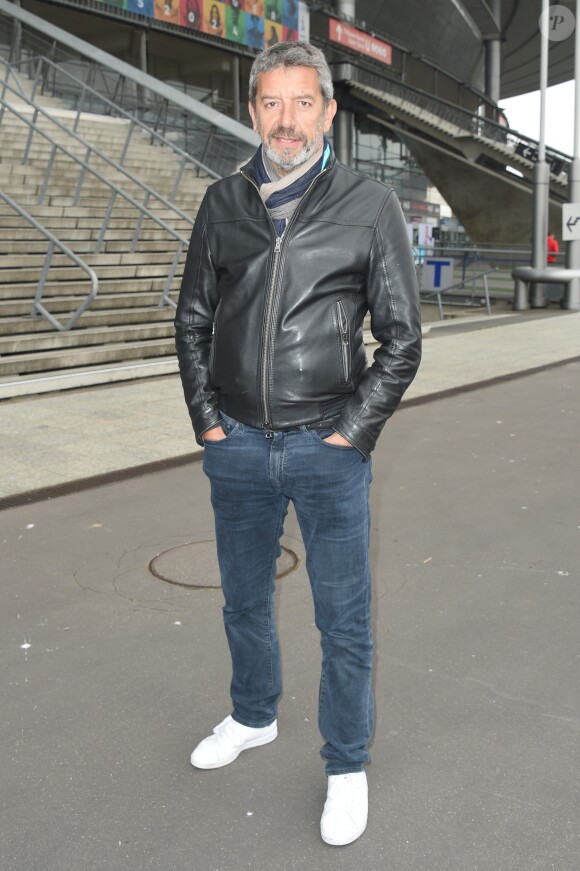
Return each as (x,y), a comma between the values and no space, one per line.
(292,54)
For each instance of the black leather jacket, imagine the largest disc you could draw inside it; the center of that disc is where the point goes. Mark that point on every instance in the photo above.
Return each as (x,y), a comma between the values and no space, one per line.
(270,329)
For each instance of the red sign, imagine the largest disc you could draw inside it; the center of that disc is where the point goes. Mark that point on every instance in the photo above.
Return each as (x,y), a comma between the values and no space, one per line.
(360,41)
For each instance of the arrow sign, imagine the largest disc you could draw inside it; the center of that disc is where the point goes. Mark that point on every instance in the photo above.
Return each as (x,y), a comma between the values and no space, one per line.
(571,222)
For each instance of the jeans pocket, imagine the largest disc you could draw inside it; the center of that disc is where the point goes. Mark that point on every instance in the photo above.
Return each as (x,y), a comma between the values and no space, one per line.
(229,426)
(321,434)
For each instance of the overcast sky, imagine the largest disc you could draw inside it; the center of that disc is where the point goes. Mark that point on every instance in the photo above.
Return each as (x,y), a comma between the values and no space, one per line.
(524,115)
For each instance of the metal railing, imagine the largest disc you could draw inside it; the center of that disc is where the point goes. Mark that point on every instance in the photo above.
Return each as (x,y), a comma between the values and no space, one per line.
(427,296)
(472,259)
(54,243)
(471,123)
(116,191)
(220,143)
(86,99)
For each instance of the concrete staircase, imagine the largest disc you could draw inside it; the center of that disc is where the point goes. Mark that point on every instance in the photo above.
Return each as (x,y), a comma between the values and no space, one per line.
(472,145)
(124,333)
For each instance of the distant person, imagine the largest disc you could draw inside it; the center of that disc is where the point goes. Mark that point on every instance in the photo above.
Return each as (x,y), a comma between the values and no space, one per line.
(553,247)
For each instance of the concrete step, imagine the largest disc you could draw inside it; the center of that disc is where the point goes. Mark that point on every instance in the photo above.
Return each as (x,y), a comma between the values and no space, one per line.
(96,261)
(120,240)
(64,359)
(124,303)
(10,276)
(66,183)
(22,323)
(124,322)
(15,147)
(118,228)
(86,376)
(82,337)
(26,291)
(36,244)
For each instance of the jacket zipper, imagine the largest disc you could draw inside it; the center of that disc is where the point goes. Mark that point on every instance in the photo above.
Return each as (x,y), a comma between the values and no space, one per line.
(343,326)
(214,337)
(270,299)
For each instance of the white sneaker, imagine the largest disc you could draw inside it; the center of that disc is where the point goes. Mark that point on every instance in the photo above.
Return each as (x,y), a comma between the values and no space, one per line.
(228,740)
(344,818)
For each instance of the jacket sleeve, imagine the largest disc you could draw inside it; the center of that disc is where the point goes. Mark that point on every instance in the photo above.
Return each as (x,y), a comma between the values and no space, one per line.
(393,302)
(198,299)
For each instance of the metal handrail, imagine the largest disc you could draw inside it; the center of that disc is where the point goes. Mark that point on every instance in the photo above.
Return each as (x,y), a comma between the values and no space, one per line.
(91,150)
(21,91)
(460,285)
(237,141)
(472,123)
(119,111)
(116,189)
(38,307)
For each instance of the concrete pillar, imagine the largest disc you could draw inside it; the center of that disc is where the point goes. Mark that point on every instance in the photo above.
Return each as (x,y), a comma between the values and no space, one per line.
(541,181)
(572,294)
(540,228)
(493,56)
(142,40)
(142,36)
(16,51)
(492,69)
(344,120)
(236,86)
(343,135)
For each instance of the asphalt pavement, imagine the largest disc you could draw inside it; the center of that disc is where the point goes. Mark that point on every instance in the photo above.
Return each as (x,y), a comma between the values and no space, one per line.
(114,662)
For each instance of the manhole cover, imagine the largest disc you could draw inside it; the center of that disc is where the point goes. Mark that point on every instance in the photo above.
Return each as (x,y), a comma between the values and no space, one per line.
(195,565)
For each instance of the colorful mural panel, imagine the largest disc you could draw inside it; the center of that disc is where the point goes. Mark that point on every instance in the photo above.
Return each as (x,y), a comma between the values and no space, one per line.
(273,10)
(236,23)
(214,18)
(272,33)
(167,10)
(254,31)
(255,23)
(191,14)
(141,7)
(290,14)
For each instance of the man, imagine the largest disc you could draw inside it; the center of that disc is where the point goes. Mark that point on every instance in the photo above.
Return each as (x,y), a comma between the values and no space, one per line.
(286,258)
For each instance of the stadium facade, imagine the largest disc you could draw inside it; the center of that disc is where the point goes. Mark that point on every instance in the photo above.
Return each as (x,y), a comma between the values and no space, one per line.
(449,60)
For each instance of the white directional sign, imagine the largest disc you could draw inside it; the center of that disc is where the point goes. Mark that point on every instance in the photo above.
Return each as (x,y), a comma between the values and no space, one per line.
(570,221)
(437,273)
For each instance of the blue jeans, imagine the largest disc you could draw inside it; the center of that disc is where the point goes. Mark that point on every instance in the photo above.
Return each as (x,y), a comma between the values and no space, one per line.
(253,478)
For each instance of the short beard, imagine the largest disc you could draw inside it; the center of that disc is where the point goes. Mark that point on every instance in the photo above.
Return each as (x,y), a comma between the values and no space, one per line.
(290,161)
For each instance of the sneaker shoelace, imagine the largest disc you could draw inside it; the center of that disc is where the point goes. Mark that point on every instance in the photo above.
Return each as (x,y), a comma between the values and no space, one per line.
(341,789)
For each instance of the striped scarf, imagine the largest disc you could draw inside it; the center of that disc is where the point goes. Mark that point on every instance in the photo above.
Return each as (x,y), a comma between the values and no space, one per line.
(282,193)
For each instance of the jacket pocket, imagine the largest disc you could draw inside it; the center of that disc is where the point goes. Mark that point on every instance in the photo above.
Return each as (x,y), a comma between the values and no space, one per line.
(344,344)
